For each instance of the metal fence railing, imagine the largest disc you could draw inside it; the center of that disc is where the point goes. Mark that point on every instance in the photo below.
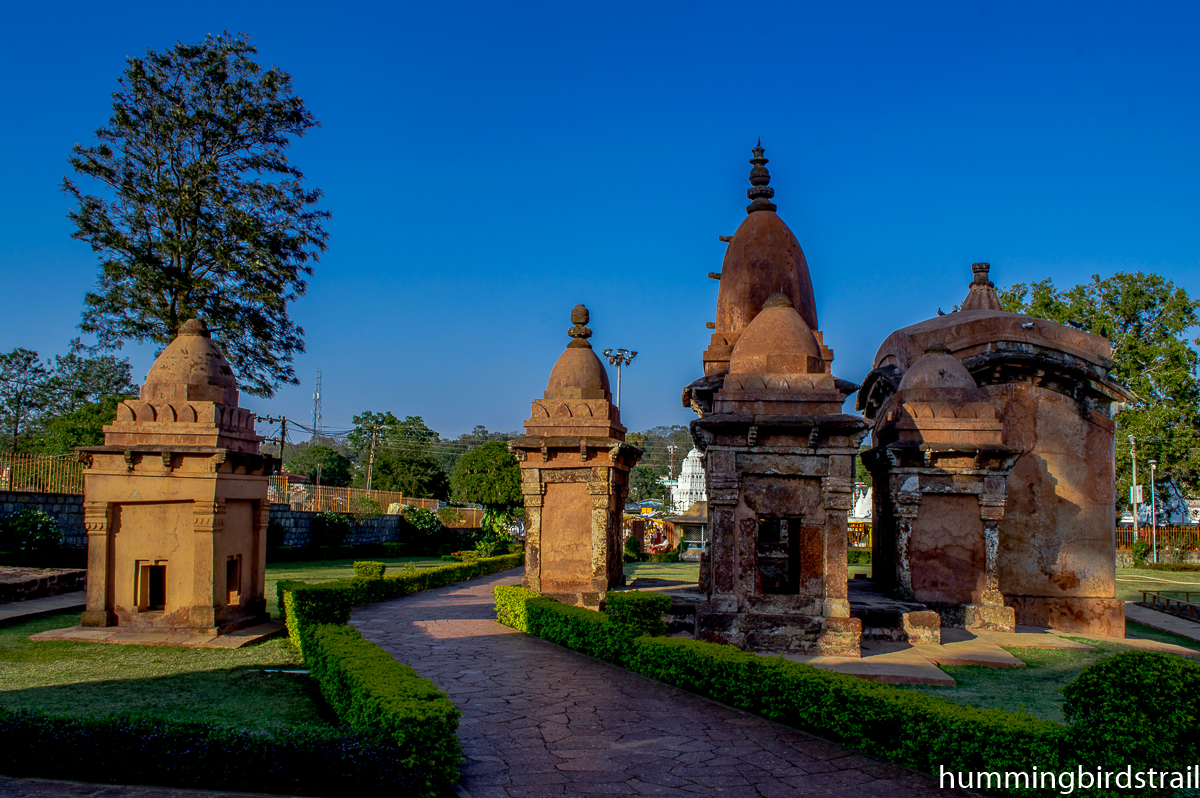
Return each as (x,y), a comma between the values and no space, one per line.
(39,473)
(1173,537)
(322,498)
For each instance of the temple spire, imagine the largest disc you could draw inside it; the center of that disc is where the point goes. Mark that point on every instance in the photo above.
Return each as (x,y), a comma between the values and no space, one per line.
(760,191)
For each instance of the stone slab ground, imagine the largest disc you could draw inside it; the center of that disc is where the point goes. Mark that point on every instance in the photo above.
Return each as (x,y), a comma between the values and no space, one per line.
(542,720)
(116,634)
(32,608)
(1163,621)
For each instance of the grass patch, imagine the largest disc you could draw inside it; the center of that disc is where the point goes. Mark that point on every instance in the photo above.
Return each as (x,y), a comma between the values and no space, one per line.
(1036,688)
(1138,631)
(675,571)
(187,684)
(328,571)
(1132,581)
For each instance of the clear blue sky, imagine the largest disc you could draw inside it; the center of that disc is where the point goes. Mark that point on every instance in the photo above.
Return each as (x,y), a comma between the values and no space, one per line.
(490,165)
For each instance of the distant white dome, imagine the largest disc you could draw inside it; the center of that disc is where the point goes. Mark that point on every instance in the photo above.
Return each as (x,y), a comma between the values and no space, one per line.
(690,488)
(862,504)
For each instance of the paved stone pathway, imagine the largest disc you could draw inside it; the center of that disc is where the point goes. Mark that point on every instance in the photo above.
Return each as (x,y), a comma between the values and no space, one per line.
(32,608)
(1163,621)
(542,720)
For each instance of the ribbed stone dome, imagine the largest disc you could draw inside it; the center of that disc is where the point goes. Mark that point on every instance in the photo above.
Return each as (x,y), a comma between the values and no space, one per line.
(191,368)
(777,342)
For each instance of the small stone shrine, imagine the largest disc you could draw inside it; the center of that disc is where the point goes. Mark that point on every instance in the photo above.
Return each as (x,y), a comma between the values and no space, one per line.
(940,458)
(1054,518)
(175,501)
(778,451)
(574,476)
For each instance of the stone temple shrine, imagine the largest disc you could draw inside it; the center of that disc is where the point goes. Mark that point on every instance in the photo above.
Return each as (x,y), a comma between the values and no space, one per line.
(175,501)
(778,451)
(1021,430)
(574,476)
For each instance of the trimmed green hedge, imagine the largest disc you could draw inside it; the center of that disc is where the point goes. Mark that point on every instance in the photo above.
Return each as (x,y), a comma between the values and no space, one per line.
(1135,708)
(137,749)
(372,692)
(369,690)
(369,569)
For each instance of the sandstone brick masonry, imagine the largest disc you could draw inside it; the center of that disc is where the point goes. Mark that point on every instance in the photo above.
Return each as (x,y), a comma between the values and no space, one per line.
(297,525)
(66,508)
(540,720)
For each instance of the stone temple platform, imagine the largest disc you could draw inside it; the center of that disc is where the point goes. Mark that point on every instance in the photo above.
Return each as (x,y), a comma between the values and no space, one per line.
(165,637)
(897,661)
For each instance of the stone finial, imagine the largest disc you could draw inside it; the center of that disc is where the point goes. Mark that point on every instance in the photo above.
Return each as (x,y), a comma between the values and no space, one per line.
(982,294)
(579,333)
(778,300)
(194,327)
(980,270)
(760,191)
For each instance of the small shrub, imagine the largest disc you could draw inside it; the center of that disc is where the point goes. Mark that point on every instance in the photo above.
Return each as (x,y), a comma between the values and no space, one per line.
(487,546)
(858,556)
(1138,706)
(633,549)
(329,529)
(470,557)
(31,531)
(423,520)
(665,556)
(370,569)
(451,558)
(1140,550)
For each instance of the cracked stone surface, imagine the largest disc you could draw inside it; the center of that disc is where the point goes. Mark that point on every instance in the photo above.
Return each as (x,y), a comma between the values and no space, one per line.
(540,720)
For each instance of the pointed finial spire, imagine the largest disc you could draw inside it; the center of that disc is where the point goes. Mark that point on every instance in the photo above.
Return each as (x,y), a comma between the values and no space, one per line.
(760,191)
(579,333)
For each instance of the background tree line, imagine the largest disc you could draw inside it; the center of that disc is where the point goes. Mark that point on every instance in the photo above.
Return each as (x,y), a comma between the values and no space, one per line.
(50,407)
(1149,320)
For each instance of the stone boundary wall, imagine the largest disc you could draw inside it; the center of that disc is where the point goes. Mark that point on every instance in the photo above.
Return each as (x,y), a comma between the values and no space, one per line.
(1125,557)
(67,509)
(297,525)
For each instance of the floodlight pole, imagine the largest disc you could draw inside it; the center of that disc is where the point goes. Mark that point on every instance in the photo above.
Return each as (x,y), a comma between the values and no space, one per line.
(1153,510)
(619,358)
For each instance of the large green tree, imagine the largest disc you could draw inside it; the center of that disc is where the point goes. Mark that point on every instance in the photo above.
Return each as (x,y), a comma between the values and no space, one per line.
(52,408)
(23,393)
(403,459)
(488,475)
(322,464)
(202,214)
(1149,321)
(656,444)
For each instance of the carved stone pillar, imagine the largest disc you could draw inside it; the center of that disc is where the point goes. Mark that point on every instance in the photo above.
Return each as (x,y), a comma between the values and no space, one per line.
(907,505)
(208,519)
(97,520)
(990,613)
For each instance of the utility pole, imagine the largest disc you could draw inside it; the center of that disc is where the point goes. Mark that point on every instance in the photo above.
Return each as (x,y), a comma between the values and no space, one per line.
(619,358)
(1154,509)
(1135,497)
(371,459)
(671,451)
(282,421)
(317,407)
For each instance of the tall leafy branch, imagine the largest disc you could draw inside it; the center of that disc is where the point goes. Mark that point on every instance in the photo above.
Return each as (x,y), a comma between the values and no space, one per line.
(202,214)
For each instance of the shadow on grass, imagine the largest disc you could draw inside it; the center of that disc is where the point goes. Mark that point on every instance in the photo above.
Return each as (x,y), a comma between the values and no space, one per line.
(245,697)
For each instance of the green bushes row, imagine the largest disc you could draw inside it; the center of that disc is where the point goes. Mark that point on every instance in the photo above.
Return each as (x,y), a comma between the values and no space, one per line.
(1136,708)
(136,749)
(372,692)
(29,531)
(858,556)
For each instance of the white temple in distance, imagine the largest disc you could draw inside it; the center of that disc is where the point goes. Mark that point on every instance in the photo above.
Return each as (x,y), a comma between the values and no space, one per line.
(690,487)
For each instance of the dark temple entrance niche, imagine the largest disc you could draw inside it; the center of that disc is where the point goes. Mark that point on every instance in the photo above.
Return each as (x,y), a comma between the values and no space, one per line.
(151,586)
(233,579)
(778,555)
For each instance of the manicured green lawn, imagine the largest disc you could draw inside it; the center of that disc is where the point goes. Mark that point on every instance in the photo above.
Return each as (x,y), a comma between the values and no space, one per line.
(217,685)
(1131,581)
(674,571)
(1037,688)
(329,570)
